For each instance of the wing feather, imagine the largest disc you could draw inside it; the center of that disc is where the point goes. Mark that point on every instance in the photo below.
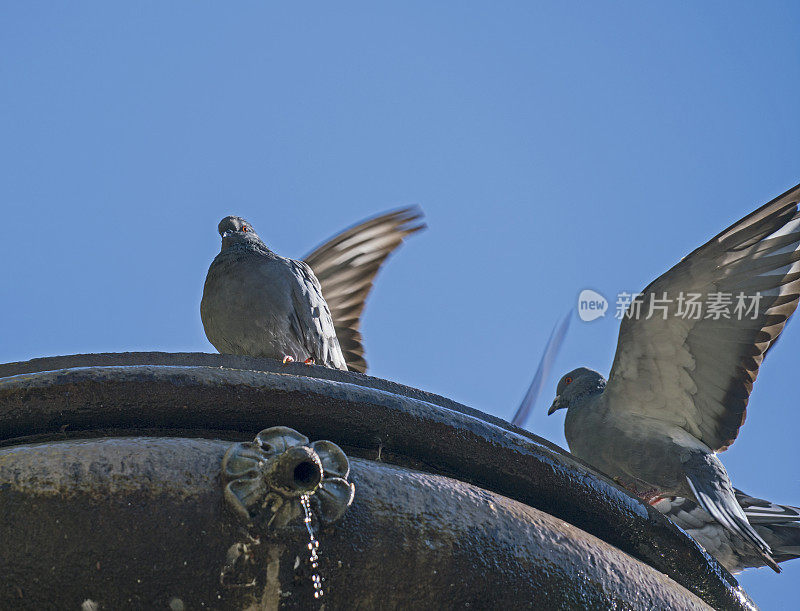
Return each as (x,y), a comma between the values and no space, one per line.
(549,355)
(314,323)
(346,266)
(698,372)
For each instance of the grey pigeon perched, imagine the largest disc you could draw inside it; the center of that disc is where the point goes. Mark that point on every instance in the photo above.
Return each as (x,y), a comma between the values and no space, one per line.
(258,303)
(680,384)
(778,525)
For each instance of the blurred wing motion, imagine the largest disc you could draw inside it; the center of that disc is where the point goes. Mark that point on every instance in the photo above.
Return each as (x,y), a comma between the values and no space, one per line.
(778,525)
(346,266)
(551,351)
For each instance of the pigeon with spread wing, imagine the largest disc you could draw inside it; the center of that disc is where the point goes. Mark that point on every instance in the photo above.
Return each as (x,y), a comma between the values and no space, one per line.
(257,303)
(689,349)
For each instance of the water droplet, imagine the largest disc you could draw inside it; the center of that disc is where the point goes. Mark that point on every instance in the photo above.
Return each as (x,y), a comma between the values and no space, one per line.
(313,545)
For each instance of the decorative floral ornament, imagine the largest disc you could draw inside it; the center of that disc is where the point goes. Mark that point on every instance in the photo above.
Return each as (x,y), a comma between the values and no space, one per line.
(264,479)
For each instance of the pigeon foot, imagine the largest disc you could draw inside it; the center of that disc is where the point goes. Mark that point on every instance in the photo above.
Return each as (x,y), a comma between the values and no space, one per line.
(650,496)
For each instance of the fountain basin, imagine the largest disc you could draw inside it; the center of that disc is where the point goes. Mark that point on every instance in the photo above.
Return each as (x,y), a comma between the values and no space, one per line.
(114,461)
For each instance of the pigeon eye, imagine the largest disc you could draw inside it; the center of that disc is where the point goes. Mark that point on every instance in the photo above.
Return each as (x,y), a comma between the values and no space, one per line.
(245,228)
(568,380)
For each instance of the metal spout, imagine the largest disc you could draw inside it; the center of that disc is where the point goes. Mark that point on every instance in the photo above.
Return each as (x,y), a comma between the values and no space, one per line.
(296,472)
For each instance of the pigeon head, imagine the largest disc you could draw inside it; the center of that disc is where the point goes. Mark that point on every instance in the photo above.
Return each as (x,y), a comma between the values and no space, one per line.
(236,230)
(575,385)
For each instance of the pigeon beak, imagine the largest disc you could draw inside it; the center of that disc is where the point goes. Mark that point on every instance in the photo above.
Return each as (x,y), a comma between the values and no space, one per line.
(555,406)
(225,234)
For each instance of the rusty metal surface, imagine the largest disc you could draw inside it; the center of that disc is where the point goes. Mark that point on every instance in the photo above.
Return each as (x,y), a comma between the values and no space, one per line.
(140,522)
(186,395)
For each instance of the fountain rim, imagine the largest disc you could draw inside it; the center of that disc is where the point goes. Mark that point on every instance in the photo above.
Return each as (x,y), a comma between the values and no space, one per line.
(356,411)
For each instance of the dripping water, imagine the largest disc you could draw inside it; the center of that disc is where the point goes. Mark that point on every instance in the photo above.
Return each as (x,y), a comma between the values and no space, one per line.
(313,546)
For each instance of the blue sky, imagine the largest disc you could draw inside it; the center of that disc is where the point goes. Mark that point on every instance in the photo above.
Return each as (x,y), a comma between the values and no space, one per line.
(554,147)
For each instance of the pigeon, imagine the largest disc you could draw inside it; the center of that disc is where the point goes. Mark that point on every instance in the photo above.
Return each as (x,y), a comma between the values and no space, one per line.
(778,525)
(257,303)
(682,374)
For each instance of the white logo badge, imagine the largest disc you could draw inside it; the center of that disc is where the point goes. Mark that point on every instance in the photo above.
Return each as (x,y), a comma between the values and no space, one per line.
(591,305)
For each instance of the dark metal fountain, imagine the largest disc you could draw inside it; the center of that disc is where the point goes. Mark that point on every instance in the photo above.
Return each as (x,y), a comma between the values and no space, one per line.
(187,481)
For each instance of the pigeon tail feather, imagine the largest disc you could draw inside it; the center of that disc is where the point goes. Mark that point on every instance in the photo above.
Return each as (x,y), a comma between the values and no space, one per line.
(712,489)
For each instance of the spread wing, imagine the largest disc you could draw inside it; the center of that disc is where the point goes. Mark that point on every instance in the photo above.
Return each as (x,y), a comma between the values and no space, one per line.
(697,370)
(346,266)
(312,322)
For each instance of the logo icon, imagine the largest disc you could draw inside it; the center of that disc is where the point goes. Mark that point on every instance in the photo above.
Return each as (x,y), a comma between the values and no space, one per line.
(591,305)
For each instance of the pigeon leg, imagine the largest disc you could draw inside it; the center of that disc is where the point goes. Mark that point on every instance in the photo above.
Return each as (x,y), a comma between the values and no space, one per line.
(309,361)
(288,359)
(649,496)
(629,487)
